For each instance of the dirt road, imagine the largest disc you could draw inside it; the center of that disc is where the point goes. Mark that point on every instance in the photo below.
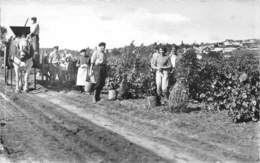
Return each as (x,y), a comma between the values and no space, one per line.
(51,126)
(43,133)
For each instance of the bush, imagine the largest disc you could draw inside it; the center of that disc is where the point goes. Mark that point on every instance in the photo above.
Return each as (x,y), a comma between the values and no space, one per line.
(232,83)
(134,63)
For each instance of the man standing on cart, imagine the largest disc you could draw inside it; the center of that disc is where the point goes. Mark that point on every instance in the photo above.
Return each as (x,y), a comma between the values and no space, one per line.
(34,34)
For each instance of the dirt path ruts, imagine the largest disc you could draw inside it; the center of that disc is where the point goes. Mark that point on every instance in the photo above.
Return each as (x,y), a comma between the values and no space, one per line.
(198,148)
(180,139)
(26,141)
(158,148)
(117,149)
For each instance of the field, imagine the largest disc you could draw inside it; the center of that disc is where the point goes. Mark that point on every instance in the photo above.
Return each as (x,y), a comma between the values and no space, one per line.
(64,126)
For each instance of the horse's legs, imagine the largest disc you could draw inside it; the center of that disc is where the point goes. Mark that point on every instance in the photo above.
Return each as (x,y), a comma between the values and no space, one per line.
(21,81)
(6,75)
(55,74)
(68,76)
(60,76)
(34,74)
(48,76)
(16,70)
(52,74)
(26,77)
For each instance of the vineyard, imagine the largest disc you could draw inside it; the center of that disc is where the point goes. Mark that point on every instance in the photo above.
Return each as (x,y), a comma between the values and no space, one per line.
(63,125)
(221,81)
(113,81)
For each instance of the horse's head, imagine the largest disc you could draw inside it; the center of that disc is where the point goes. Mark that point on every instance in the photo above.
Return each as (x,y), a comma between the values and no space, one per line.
(24,49)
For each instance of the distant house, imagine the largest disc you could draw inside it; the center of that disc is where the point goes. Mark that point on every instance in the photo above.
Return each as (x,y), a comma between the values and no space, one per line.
(219,44)
(251,43)
(237,44)
(198,50)
(218,49)
(232,43)
(229,49)
(206,50)
(228,46)
(228,43)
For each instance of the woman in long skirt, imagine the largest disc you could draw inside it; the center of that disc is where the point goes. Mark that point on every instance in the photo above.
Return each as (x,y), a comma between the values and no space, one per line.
(83,65)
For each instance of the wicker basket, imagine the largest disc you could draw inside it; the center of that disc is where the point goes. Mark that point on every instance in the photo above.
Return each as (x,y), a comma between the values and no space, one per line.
(178,99)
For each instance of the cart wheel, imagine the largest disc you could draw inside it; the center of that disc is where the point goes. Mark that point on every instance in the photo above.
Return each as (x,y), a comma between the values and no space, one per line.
(5,66)
(34,78)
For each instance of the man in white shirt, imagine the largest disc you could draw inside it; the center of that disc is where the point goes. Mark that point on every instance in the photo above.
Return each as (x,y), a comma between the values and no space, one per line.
(34,34)
(173,57)
(154,57)
(98,69)
(162,64)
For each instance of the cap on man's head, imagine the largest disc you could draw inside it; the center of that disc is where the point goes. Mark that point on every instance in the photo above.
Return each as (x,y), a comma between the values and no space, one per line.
(163,48)
(102,44)
(34,18)
(56,47)
(82,51)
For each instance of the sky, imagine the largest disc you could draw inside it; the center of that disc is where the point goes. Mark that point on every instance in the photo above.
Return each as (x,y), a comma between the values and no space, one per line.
(77,24)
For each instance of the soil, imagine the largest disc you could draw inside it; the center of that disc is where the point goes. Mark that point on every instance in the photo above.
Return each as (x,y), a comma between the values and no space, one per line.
(50,125)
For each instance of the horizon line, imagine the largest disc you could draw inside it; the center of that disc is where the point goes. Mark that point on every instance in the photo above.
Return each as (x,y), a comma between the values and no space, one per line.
(148,44)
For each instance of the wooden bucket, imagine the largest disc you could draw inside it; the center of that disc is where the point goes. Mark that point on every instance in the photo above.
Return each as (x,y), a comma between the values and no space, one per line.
(152,101)
(88,87)
(112,94)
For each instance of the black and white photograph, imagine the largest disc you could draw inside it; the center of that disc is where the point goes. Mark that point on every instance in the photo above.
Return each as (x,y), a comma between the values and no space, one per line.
(129,81)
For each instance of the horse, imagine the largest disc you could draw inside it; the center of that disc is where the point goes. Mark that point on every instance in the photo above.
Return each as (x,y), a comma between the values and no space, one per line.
(20,54)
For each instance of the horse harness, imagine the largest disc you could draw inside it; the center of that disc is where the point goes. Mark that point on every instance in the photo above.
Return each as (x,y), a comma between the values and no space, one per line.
(24,50)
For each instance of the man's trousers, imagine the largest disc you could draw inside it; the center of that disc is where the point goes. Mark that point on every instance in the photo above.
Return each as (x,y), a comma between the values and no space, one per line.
(100,73)
(162,81)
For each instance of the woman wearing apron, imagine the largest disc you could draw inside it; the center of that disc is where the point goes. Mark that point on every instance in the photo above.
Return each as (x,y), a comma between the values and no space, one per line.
(83,65)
